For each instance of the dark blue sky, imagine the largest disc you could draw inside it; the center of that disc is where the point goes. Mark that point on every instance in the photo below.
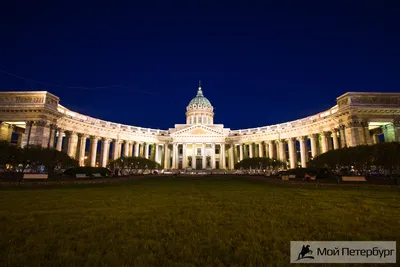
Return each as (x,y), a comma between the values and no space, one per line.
(260,63)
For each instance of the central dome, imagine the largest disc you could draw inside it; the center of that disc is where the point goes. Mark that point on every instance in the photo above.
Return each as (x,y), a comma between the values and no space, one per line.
(199,100)
(199,110)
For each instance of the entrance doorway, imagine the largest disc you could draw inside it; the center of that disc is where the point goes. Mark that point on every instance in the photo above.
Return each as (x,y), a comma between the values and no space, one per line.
(199,164)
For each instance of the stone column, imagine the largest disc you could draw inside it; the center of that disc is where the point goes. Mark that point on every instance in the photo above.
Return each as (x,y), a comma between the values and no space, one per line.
(271,149)
(366,136)
(213,156)
(167,156)
(282,151)
(93,150)
(342,135)
(52,138)
(174,150)
(72,144)
(6,131)
(353,134)
(126,148)
(184,160)
(59,139)
(266,149)
(194,156)
(335,139)
(115,149)
(324,141)
(375,139)
(303,151)
(39,134)
(260,150)
(105,148)
(82,146)
(119,149)
(292,153)
(240,152)
(314,147)
(130,146)
(250,150)
(136,149)
(223,160)
(396,125)
(146,151)
(26,137)
(157,153)
(231,157)
(203,152)
(19,141)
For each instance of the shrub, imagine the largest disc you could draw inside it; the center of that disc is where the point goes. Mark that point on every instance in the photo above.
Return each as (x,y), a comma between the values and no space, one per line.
(256,163)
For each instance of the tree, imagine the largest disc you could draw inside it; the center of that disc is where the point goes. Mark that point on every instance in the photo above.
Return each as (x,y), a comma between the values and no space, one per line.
(384,156)
(34,156)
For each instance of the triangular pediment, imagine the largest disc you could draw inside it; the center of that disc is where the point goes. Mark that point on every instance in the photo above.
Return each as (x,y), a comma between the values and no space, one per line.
(197,130)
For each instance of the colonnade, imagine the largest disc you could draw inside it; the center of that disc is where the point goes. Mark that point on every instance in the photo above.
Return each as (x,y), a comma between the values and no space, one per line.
(99,150)
(295,151)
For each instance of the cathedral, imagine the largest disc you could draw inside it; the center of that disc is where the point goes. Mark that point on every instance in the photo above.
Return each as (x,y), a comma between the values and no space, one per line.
(358,118)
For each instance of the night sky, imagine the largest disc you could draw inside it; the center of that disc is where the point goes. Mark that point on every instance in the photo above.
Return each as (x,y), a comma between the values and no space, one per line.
(260,63)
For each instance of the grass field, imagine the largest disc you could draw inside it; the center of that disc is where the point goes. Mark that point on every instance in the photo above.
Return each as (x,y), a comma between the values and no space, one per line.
(186,221)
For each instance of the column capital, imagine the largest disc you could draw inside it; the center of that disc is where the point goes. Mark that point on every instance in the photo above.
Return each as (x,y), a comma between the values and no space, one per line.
(364,123)
(82,135)
(70,133)
(326,134)
(106,139)
(302,138)
(292,139)
(396,122)
(93,137)
(353,123)
(282,141)
(40,123)
(335,130)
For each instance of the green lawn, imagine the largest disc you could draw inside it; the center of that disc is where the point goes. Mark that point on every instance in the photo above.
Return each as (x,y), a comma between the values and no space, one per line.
(185,221)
